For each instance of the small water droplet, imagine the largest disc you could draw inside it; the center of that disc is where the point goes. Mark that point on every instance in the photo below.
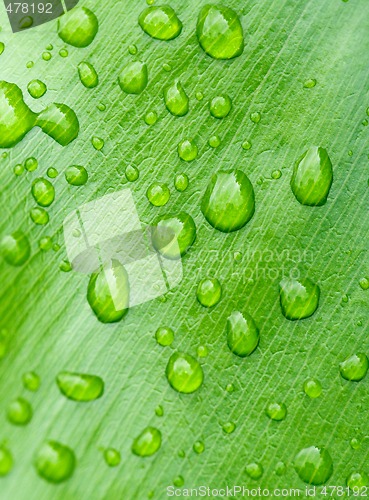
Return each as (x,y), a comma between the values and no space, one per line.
(199,96)
(52,173)
(80,386)
(151,118)
(101,106)
(112,457)
(6,461)
(209,292)
(276,411)
(31,164)
(45,244)
(255,117)
(181,182)
(202,351)
(167,67)
(254,470)
(280,468)
(229,427)
(97,143)
(19,412)
(15,248)
(30,64)
(43,192)
(246,145)
(164,336)
(350,152)
(355,367)
(178,481)
(46,56)
(132,49)
(214,141)
(161,22)
(78,27)
(39,216)
(158,194)
(184,373)
(31,381)
(159,411)
(18,170)
(36,89)
(147,443)
(133,78)
(364,283)
(299,298)
(237,257)
(312,388)
(187,150)
(314,465)
(49,47)
(65,266)
(173,235)
(199,447)
(220,106)
(176,99)
(230,388)
(132,173)
(55,462)
(309,84)
(87,74)
(76,175)
(276,174)
(242,334)
(355,444)
(63,53)
(181,454)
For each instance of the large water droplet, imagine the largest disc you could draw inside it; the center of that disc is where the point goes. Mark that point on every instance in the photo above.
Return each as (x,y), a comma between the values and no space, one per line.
(134,78)
(36,89)
(87,74)
(60,122)
(358,481)
(312,177)
(160,22)
(78,27)
(80,386)
(314,465)
(15,248)
(355,367)
(173,235)
(147,443)
(19,412)
(299,298)
(176,99)
(229,201)
(108,292)
(219,32)
(242,334)
(43,192)
(6,461)
(76,175)
(209,292)
(184,373)
(55,462)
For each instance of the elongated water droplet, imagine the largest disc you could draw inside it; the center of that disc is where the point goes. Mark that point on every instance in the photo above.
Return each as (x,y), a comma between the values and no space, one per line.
(80,386)
(187,150)
(19,412)
(299,298)
(6,461)
(43,192)
(112,457)
(173,235)
(364,283)
(87,74)
(15,248)
(176,99)
(76,175)
(355,367)
(312,388)
(39,216)
(2,47)
(158,194)
(132,49)
(276,411)
(242,334)
(55,462)
(357,482)
(108,293)
(312,177)
(314,465)
(159,411)
(219,32)
(147,443)
(220,106)
(254,470)
(164,336)
(184,373)
(31,381)
(161,22)
(133,78)
(181,182)
(209,292)
(60,122)
(78,27)
(229,201)
(36,89)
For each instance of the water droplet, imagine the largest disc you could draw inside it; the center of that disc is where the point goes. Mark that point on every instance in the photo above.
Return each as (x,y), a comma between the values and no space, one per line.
(132,173)
(6,461)
(134,78)
(108,293)
(173,235)
(18,170)
(254,470)
(97,143)
(31,381)
(199,96)
(19,412)
(55,462)
(101,106)
(56,247)
(151,118)
(214,141)
(52,173)
(176,99)
(63,53)
(30,64)
(76,175)
(220,106)
(39,216)
(112,457)
(276,174)
(355,444)
(2,47)
(229,201)
(230,388)
(237,257)
(45,244)
(78,27)
(280,468)
(184,373)
(209,292)
(314,465)
(312,177)
(132,49)
(229,427)
(31,164)
(80,386)
(87,74)
(242,334)
(43,192)
(158,194)
(358,481)
(312,388)
(167,67)
(15,248)
(350,152)
(178,481)
(202,351)
(364,283)
(181,182)
(159,411)
(187,150)
(276,411)
(49,47)
(199,447)
(355,367)
(164,336)
(299,298)
(219,32)
(255,117)
(309,84)
(46,56)
(60,122)
(161,22)
(65,266)
(36,88)
(147,443)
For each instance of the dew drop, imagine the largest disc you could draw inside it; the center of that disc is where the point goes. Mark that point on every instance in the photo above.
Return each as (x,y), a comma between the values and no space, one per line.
(199,96)
(2,47)
(112,457)
(151,118)
(63,53)
(36,89)
(159,411)
(309,84)
(55,462)
(312,388)
(184,373)
(178,481)
(314,465)
(199,447)
(276,411)
(358,481)
(76,175)
(52,173)
(65,266)
(31,164)
(173,235)
(209,292)
(230,388)
(276,174)
(214,141)
(158,194)
(60,122)
(80,386)
(355,367)
(242,334)
(39,216)
(15,248)
(254,470)
(229,201)
(246,145)
(255,117)
(161,22)
(219,32)
(220,106)
(364,283)
(355,444)
(299,298)
(18,170)
(78,27)
(132,173)
(19,412)
(43,192)
(187,150)
(45,244)
(87,74)
(133,78)
(30,64)
(181,182)
(132,49)
(31,381)
(229,427)
(46,56)
(280,468)
(164,336)
(202,351)
(6,461)
(147,443)
(97,143)
(176,99)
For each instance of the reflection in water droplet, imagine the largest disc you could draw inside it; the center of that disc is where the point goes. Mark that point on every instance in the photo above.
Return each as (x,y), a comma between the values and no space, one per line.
(220,106)
(181,182)
(187,150)
(176,99)
(39,216)
(31,164)
(312,388)
(43,192)
(76,175)
(358,482)
(276,411)
(158,194)
(164,336)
